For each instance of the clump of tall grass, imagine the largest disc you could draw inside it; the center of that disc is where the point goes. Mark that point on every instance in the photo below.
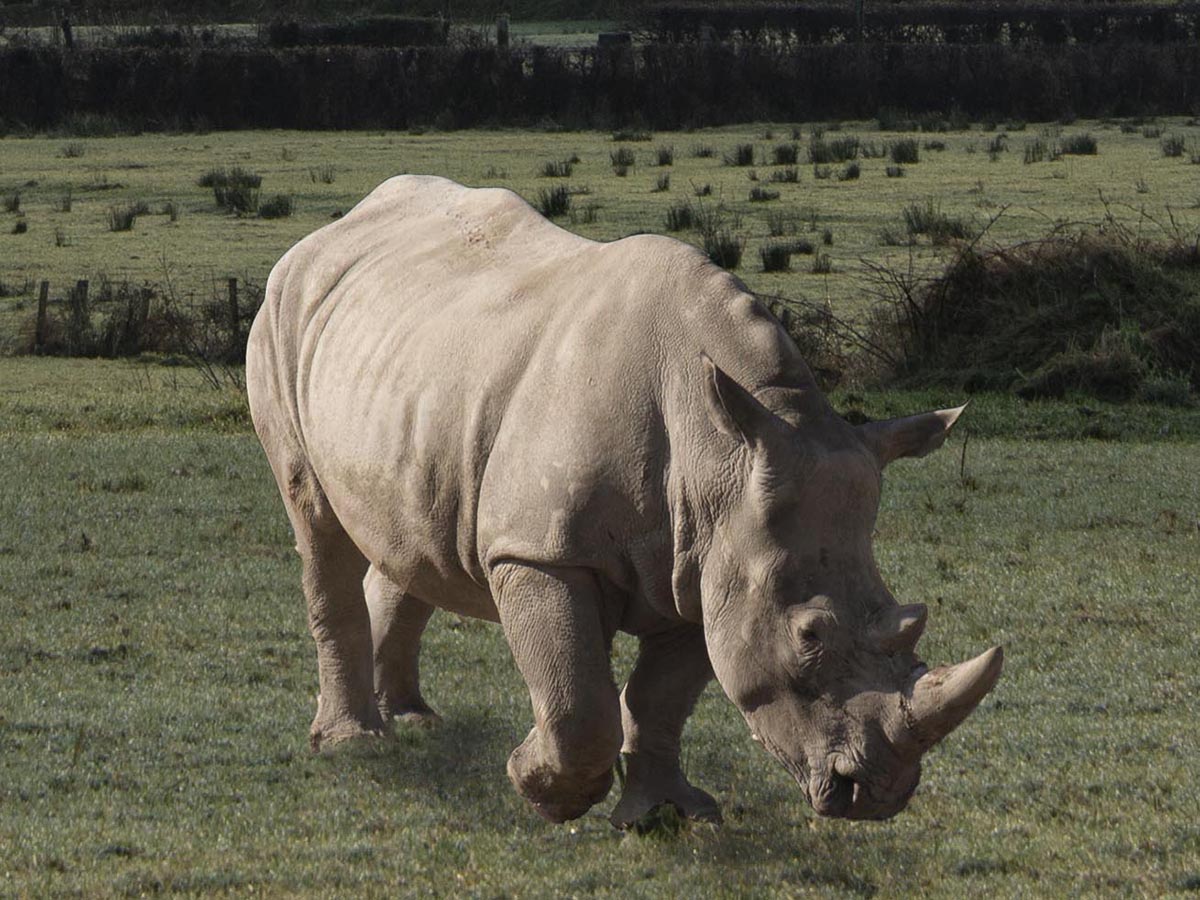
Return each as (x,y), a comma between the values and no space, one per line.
(1079,145)
(724,247)
(585,215)
(622,156)
(1173,145)
(928,219)
(554,202)
(785,154)
(323,173)
(776,257)
(720,233)
(786,175)
(904,152)
(278,207)
(762,195)
(235,189)
(665,156)
(781,222)
(1038,150)
(838,150)
(559,168)
(680,216)
(121,218)
(743,155)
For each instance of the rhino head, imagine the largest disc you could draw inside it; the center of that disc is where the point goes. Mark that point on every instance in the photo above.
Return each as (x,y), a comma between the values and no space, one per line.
(803,635)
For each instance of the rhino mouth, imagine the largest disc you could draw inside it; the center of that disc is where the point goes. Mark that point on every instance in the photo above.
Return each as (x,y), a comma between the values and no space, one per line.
(836,792)
(830,797)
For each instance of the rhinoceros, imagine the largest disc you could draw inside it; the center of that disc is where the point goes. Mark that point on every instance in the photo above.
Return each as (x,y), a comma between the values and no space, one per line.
(468,408)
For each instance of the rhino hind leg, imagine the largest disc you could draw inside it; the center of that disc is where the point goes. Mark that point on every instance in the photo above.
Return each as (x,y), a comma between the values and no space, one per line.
(332,576)
(398,620)
(671,672)
(553,620)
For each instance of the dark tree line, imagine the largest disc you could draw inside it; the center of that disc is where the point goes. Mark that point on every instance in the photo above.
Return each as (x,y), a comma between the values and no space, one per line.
(662,86)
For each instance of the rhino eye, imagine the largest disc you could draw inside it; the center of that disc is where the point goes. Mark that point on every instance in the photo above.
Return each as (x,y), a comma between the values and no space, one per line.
(807,630)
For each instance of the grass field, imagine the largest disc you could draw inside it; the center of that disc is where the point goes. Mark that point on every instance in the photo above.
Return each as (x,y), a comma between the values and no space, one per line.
(157,680)
(324,174)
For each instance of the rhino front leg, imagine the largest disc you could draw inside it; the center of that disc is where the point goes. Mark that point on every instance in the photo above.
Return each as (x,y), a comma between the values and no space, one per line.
(553,621)
(397,622)
(671,672)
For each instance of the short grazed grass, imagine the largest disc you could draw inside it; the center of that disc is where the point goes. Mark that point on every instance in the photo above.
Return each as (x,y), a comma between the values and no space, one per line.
(156,679)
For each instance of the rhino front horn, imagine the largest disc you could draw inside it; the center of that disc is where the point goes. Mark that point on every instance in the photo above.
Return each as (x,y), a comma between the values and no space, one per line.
(945,696)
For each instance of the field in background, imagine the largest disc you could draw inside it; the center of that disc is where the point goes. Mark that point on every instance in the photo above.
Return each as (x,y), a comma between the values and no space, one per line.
(158,681)
(63,191)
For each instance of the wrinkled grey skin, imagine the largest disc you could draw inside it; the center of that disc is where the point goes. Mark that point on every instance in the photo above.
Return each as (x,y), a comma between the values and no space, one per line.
(468,408)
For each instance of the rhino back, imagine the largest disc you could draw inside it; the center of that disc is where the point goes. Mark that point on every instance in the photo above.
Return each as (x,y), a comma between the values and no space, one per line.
(471,383)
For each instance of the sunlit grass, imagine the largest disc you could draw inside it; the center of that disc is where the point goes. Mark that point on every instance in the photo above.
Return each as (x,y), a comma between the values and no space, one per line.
(158,681)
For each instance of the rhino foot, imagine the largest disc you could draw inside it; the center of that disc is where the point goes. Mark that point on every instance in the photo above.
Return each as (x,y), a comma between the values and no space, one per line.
(651,784)
(557,796)
(329,729)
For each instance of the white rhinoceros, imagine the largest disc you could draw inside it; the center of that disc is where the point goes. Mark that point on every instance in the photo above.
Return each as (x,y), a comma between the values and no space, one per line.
(468,408)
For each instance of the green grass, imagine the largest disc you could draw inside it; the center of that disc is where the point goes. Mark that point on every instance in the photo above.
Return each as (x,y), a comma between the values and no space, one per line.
(204,243)
(158,681)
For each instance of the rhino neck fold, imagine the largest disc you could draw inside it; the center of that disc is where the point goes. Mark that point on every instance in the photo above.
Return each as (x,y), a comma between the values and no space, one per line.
(706,478)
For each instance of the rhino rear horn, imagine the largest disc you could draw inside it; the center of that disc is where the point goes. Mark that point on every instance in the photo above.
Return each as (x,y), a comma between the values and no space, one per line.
(942,698)
(911,436)
(901,629)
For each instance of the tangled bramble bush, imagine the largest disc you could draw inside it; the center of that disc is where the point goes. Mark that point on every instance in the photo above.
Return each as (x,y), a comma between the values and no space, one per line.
(1101,312)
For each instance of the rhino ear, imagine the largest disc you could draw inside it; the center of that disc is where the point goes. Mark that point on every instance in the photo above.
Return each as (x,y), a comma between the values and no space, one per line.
(731,408)
(910,436)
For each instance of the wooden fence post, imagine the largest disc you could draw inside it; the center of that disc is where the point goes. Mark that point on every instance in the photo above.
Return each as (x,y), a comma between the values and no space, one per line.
(39,331)
(236,349)
(80,335)
(235,322)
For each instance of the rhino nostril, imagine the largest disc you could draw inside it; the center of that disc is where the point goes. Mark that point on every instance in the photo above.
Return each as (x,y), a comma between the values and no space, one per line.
(834,795)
